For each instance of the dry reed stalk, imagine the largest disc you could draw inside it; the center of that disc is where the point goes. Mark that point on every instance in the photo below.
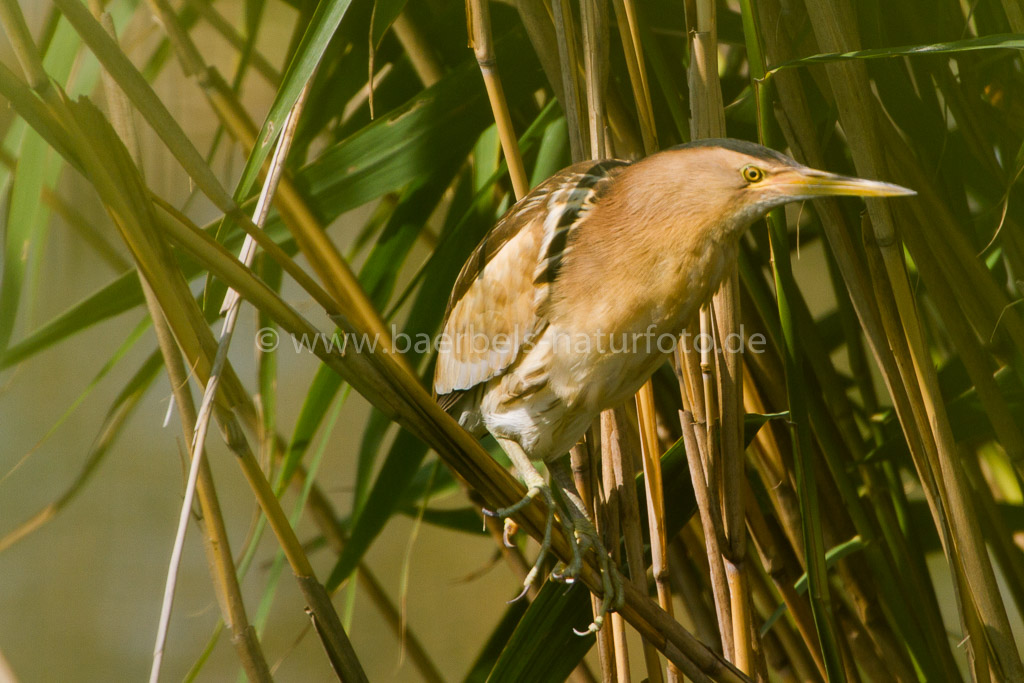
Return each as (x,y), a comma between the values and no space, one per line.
(616,431)
(614,517)
(795,121)
(982,611)
(568,61)
(722,390)
(710,517)
(478,17)
(629,32)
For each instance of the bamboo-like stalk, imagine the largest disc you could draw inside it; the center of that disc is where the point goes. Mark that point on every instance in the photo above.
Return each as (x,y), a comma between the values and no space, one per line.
(614,519)
(710,517)
(478,17)
(654,486)
(594,21)
(615,432)
(568,62)
(707,119)
(629,32)
(614,650)
(849,82)
(585,475)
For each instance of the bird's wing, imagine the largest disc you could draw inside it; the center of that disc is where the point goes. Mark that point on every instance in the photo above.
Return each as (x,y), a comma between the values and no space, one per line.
(496,305)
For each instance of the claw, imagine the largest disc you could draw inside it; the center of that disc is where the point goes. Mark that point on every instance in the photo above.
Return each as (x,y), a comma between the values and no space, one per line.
(582,535)
(511,527)
(519,597)
(593,628)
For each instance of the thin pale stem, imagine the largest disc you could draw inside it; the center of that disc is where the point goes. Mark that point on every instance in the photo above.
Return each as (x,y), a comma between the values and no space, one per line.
(721,319)
(616,527)
(650,452)
(568,60)
(629,31)
(595,61)
(711,523)
(481,41)
(218,549)
(615,431)
(232,306)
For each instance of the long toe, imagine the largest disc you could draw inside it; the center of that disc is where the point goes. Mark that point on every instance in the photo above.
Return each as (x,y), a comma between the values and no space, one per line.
(545,545)
(572,570)
(611,581)
(531,493)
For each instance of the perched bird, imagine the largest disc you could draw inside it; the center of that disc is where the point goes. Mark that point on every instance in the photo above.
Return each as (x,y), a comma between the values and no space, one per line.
(557,313)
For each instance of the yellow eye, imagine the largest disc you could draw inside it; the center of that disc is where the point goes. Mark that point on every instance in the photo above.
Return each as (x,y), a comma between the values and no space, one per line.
(752,174)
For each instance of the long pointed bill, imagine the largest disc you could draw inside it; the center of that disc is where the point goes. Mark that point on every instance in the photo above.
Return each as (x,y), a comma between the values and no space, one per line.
(807,183)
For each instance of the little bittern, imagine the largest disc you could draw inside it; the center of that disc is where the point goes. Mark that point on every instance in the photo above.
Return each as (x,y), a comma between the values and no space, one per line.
(560,311)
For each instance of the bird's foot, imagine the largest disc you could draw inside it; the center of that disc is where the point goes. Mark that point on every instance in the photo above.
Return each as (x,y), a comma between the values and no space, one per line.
(537,488)
(582,535)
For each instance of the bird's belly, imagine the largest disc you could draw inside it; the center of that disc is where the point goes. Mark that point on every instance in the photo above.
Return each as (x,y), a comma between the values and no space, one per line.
(611,367)
(562,382)
(543,424)
(530,405)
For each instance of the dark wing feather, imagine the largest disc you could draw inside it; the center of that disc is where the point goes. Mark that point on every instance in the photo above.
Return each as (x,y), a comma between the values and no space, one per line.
(503,285)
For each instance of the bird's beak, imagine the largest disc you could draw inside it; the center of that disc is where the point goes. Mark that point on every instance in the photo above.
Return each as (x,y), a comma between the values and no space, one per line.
(807,183)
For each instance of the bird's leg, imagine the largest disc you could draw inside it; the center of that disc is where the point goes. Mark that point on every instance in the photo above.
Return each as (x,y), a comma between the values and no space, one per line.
(587,536)
(535,486)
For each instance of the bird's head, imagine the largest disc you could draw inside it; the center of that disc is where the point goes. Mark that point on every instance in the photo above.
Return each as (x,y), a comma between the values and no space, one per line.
(732,183)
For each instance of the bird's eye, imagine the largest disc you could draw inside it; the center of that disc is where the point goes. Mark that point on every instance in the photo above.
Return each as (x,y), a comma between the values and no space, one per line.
(752,174)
